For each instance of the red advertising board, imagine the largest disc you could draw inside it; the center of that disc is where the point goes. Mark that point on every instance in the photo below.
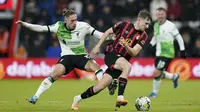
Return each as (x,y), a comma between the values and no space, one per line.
(142,68)
(5,4)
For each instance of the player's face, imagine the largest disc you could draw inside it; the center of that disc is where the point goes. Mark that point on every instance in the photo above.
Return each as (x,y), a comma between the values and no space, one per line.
(71,21)
(160,16)
(144,23)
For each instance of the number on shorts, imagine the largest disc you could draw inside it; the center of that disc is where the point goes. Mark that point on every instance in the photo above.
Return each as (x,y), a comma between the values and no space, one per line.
(161,64)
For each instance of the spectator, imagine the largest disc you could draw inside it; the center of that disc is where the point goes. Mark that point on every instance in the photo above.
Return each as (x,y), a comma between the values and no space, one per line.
(156,4)
(54,50)
(21,52)
(100,25)
(43,18)
(90,15)
(196,50)
(107,16)
(4,36)
(174,10)
(31,7)
(76,5)
(37,46)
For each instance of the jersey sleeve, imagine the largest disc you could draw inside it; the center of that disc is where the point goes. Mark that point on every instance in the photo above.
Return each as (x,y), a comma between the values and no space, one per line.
(90,29)
(143,39)
(174,31)
(53,27)
(118,26)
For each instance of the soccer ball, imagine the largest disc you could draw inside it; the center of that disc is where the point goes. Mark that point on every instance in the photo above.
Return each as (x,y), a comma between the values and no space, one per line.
(142,103)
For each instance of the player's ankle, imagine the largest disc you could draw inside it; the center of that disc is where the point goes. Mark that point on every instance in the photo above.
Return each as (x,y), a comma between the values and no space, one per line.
(120,97)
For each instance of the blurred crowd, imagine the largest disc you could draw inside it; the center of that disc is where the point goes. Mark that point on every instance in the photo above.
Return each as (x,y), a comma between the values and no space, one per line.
(102,14)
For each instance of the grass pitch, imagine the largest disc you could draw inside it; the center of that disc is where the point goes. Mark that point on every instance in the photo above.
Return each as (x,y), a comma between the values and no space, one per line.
(14,95)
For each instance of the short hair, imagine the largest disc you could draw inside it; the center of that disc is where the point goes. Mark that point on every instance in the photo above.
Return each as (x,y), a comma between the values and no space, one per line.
(145,14)
(161,9)
(67,12)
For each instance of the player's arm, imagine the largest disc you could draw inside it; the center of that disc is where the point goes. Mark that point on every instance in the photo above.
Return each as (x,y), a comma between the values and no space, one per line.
(137,48)
(106,34)
(39,28)
(153,41)
(179,38)
(93,31)
(133,51)
(104,37)
(96,49)
(112,30)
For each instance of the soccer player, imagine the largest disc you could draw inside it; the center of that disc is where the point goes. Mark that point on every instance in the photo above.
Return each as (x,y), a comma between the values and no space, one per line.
(70,33)
(129,41)
(164,34)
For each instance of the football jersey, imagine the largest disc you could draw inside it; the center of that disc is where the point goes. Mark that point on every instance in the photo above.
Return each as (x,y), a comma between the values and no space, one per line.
(164,36)
(71,41)
(130,34)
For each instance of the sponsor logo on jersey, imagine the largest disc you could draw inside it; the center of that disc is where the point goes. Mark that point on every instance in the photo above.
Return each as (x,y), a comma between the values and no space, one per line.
(137,37)
(129,41)
(73,43)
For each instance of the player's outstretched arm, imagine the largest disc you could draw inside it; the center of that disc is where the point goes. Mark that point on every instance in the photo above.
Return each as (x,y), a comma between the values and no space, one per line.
(96,49)
(97,34)
(33,27)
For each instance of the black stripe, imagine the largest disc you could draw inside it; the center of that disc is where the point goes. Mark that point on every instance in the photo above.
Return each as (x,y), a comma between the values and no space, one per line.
(92,32)
(48,28)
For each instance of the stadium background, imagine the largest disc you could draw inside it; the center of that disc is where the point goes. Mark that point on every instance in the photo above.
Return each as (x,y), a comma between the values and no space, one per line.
(19,43)
(25,55)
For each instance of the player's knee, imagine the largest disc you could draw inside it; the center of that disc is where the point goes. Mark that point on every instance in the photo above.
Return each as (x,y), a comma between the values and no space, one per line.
(126,66)
(58,71)
(157,73)
(91,66)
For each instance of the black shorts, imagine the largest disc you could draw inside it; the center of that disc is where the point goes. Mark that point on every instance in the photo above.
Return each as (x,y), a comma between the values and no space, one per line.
(162,63)
(110,59)
(74,61)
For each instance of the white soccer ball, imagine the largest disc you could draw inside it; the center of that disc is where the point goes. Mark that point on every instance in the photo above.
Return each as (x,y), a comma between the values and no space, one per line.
(142,103)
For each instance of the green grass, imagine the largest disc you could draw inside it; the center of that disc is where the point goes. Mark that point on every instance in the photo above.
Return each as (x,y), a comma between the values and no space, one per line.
(13,95)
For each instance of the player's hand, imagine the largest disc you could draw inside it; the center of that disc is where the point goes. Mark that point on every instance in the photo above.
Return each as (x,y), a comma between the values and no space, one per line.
(95,52)
(122,41)
(20,22)
(183,54)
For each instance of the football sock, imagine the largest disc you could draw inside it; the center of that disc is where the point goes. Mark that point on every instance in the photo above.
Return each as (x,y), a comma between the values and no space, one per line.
(88,93)
(120,97)
(122,85)
(168,75)
(99,74)
(156,84)
(46,84)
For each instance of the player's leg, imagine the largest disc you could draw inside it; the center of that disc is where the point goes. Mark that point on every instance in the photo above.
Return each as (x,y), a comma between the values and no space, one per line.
(167,75)
(85,62)
(92,66)
(58,71)
(159,67)
(123,65)
(63,67)
(91,91)
(110,59)
(171,76)
(161,64)
(156,83)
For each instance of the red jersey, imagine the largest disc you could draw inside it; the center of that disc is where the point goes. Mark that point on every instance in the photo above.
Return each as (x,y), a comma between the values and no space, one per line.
(130,34)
